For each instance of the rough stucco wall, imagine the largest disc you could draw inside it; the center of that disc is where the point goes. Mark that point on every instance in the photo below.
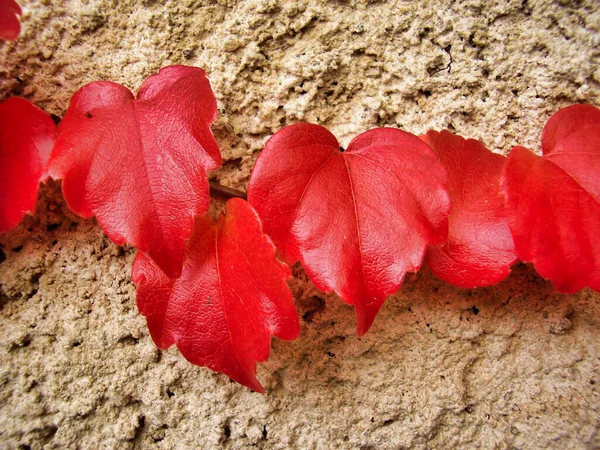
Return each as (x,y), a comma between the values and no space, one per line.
(511,366)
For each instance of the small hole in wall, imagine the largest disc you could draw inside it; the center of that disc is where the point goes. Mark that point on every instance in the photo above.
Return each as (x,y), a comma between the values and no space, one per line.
(314,305)
(2,255)
(50,432)
(128,340)
(227,431)
(17,249)
(140,427)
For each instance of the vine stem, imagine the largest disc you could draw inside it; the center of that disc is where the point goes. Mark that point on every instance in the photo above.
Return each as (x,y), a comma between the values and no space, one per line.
(217,190)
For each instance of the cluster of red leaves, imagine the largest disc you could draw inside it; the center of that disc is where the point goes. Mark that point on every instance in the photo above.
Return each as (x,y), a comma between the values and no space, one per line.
(140,166)
(358,220)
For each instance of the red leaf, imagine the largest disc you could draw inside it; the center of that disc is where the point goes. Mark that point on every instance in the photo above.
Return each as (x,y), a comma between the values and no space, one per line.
(479,250)
(553,201)
(231,296)
(10,27)
(571,141)
(140,165)
(357,220)
(26,137)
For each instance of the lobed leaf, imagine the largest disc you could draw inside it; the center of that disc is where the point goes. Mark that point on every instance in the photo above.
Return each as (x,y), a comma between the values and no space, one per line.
(26,137)
(231,296)
(357,220)
(553,200)
(479,250)
(140,165)
(571,141)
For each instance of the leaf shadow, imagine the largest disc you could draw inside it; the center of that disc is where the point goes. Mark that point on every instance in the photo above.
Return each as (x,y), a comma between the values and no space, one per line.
(425,311)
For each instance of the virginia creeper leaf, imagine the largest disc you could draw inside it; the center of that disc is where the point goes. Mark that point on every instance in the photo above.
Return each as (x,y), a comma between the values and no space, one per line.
(479,250)
(357,220)
(140,165)
(231,296)
(26,137)
(571,141)
(10,27)
(553,200)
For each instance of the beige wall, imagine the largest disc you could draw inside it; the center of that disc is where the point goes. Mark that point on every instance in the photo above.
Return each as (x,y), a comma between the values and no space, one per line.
(512,366)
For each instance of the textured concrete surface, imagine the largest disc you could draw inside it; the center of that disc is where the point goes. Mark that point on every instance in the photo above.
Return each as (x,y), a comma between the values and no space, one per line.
(511,366)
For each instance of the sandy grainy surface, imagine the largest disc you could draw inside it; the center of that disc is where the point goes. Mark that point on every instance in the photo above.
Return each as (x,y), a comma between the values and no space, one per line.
(511,366)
